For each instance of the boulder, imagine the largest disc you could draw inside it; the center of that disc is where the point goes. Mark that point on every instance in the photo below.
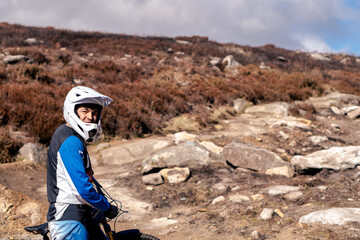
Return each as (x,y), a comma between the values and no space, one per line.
(12,59)
(130,152)
(333,158)
(282,189)
(240,104)
(183,137)
(185,154)
(277,108)
(252,157)
(333,216)
(230,62)
(152,179)
(175,175)
(354,114)
(320,57)
(34,152)
(286,171)
(212,147)
(266,214)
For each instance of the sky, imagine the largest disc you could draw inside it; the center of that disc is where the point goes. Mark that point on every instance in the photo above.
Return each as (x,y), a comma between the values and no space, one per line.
(329,26)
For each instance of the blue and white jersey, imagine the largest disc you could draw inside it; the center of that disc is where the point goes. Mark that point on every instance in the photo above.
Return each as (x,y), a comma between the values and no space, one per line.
(69,177)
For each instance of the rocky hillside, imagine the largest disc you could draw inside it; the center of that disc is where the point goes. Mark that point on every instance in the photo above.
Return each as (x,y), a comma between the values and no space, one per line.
(204,140)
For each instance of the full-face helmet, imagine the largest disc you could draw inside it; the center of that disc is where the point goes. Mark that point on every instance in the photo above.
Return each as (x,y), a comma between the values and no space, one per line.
(79,96)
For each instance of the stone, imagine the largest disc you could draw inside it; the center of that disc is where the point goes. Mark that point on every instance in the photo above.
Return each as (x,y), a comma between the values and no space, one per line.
(333,216)
(240,105)
(133,151)
(183,137)
(175,175)
(252,157)
(293,196)
(276,108)
(230,62)
(237,198)
(286,171)
(218,200)
(12,59)
(281,189)
(336,110)
(186,154)
(257,197)
(333,158)
(212,147)
(34,152)
(318,139)
(320,57)
(152,179)
(354,114)
(266,214)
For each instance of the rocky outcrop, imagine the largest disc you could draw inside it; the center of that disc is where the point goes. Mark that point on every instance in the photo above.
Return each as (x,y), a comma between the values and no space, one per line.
(333,216)
(334,158)
(186,154)
(130,152)
(252,157)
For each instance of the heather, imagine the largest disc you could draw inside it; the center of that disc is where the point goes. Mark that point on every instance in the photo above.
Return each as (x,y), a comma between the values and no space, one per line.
(152,80)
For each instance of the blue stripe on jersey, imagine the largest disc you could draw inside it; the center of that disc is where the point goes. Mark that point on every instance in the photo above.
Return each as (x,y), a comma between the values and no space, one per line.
(71,152)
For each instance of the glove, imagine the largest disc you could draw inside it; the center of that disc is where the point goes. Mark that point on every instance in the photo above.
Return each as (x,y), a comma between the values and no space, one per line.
(112,212)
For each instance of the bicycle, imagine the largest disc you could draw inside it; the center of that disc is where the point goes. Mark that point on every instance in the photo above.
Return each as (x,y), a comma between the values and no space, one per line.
(99,218)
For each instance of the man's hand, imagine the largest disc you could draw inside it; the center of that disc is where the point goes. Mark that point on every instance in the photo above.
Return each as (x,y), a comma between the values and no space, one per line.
(112,212)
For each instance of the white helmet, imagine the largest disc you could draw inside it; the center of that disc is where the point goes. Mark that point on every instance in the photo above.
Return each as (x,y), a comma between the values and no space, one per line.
(84,95)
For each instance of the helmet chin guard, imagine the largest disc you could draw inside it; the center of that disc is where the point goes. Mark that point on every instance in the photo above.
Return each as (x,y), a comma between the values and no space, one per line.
(84,95)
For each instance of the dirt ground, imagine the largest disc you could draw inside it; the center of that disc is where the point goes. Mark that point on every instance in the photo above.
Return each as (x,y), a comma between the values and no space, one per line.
(190,202)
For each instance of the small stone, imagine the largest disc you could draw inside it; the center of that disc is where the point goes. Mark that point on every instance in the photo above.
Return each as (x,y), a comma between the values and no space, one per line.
(266,214)
(239,198)
(292,196)
(217,200)
(279,213)
(255,235)
(153,179)
(149,188)
(258,197)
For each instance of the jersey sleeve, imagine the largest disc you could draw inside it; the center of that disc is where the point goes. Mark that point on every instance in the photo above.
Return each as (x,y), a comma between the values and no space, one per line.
(71,152)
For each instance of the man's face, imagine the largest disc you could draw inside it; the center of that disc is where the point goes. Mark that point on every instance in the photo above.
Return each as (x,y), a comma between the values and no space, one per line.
(88,114)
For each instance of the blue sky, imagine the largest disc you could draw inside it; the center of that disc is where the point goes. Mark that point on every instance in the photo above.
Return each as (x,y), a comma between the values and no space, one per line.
(330,26)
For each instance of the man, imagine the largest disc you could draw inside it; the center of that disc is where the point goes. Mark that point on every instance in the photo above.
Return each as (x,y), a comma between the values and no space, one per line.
(69,175)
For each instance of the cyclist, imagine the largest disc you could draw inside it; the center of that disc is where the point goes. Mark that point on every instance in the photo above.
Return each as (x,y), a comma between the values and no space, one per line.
(71,194)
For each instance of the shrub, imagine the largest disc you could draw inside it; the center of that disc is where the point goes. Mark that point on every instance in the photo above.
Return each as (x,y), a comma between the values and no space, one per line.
(8,146)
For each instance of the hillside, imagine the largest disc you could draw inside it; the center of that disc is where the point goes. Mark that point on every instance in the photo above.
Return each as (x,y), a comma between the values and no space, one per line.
(203,141)
(151,79)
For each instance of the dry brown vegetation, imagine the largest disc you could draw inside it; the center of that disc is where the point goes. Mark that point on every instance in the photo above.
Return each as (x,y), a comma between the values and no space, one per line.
(151,79)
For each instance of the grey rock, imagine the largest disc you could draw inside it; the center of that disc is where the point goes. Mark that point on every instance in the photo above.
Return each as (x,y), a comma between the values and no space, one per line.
(185,154)
(252,157)
(282,189)
(276,108)
(34,152)
(175,175)
(333,158)
(318,139)
(153,179)
(12,59)
(266,214)
(230,62)
(240,104)
(293,196)
(333,216)
(134,151)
